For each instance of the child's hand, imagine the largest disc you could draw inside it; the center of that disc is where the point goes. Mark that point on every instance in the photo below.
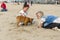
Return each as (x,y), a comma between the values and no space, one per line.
(39,27)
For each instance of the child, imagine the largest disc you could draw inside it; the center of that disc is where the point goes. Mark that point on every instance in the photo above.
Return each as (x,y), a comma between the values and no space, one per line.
(3,6)
(38,21)
(49,21)
(23,12)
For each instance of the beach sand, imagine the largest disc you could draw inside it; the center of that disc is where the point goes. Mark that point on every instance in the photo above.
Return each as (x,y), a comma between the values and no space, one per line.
(9,30)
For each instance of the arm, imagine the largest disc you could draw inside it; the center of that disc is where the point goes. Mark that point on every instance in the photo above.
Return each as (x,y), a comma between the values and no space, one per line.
(41,23)
(20,13)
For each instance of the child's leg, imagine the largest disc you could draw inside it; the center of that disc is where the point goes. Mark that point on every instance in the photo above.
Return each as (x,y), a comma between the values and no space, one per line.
(59,26)
(51,25)
(3,10)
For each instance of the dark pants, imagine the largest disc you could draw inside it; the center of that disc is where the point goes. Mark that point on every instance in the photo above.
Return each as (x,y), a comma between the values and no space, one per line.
(52,25)
(3,10)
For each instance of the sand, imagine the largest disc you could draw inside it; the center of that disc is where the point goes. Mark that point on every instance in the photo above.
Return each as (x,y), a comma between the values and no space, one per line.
(9,30)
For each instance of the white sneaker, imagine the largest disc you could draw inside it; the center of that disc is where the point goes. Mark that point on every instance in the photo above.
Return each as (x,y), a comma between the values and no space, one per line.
(56,29)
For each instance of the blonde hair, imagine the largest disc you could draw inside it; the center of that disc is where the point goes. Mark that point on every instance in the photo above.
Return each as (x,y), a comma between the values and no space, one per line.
(40,12)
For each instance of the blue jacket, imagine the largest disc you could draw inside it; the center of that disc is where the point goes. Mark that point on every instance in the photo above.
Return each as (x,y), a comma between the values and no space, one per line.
(49,19)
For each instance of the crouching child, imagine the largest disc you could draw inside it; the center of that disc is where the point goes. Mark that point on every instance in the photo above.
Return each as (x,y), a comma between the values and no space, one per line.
(49,21)
(3,6)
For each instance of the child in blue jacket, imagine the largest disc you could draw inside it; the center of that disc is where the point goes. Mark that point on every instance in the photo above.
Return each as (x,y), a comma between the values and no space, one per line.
(49,21)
